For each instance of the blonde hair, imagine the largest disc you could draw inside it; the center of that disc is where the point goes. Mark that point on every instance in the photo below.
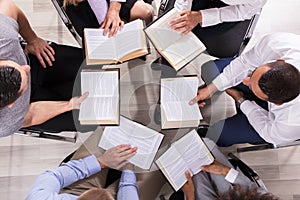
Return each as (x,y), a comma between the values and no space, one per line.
(96,194)
(71,2)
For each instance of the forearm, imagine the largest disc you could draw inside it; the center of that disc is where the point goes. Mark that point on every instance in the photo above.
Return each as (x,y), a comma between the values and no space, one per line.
(25,29)
(41,111)
(114,7)
(127,187)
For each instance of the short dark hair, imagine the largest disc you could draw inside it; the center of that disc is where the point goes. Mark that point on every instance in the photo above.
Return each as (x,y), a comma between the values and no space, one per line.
(281,83)
(238,193)
(10,83)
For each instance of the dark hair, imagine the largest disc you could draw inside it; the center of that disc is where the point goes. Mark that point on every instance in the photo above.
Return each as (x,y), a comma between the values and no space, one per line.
(281,83)
(237,193)
(10,83)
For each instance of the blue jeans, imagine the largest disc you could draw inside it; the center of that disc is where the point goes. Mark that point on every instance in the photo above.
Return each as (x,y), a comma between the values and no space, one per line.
(236,129)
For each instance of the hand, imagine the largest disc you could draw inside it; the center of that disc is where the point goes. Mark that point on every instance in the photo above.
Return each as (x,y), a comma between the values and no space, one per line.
(112,19)
(75,102)
(216,168)
(188,188)
(204,94)
(116,157)
(234,93)
(186,22)
(42,50)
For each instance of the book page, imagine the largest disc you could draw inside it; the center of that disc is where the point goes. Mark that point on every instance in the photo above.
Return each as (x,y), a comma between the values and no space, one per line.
(193,151)
(128,132)
(103,100)
(184,49)
(99,46)
(181,111)
(160,33)
(130,38)
(99,108)
(179,89)
(173,167)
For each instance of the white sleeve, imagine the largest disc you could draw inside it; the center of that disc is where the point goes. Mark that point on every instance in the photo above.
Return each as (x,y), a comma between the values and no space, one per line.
(182,5)
(237,10)
(238,69)
(275,130)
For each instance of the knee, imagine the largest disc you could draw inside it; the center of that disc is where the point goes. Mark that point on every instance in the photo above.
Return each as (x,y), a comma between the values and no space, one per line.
(148,13)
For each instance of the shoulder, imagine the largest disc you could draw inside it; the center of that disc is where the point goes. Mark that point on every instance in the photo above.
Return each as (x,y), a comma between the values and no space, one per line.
(9,9)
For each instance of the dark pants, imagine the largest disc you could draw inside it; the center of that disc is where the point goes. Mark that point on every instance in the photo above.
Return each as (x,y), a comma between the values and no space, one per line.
(56,83)
(236,129)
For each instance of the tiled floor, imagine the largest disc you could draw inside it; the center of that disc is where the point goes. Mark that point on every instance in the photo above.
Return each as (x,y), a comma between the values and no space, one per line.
(23,158)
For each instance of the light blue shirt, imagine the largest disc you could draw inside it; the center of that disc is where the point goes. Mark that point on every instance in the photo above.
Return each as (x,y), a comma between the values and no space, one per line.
(49,183)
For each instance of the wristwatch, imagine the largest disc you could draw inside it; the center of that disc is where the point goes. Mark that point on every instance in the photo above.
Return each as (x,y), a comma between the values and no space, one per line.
(239,102)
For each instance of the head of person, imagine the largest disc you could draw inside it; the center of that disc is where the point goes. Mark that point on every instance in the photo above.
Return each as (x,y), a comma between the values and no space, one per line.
(96,194)
(277,82)
(14,80)
(237,193)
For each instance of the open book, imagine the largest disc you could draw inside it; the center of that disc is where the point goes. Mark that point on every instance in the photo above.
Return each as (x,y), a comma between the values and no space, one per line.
(102,104)
(128,132)
(175,96)
(177,49)
(188,153)
(129,43)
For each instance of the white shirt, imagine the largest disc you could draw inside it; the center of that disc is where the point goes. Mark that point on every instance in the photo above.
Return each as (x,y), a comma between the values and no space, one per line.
(281,123)
(237,10)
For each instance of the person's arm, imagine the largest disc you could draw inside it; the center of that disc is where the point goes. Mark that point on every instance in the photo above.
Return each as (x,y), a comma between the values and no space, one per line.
(112,20)
(235,11)
(48,184)
(35,45)
(127,186)
(41,111)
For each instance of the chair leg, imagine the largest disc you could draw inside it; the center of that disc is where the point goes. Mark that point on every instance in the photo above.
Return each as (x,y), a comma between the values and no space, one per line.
(38,134)
(255,148)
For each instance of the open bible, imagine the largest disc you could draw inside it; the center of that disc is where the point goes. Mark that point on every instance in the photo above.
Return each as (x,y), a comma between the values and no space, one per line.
(188,153)
(102,105)
(175,96)
(176,48)
(129,43)
(128,132)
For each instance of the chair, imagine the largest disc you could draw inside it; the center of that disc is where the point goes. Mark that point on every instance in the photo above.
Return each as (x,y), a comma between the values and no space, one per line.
(265,145)
(237,163)
(58,4)
(48,134)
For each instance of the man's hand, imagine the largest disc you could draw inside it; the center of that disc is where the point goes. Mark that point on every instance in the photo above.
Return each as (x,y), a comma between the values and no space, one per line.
(116,157)
(112,20)
(75,102)
(42,50)
(204,94)
(216,168)
(186,22)
(234,93)
(188,188)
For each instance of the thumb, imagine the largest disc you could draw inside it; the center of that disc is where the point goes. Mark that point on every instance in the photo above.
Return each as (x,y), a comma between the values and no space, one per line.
(84,96)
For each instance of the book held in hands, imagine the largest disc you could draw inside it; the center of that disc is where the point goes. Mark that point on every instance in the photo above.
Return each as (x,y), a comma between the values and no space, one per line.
(176,48)
(188,153)
(102,104)
(145,139)
(175,96)
(129,43)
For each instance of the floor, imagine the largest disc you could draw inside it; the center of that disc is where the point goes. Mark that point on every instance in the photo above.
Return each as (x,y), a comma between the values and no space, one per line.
(23,158)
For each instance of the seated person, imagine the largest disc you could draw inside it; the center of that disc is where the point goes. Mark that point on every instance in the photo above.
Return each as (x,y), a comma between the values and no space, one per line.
(106,14)
(44,94)
(48,184)
(208,18)
(219,180)
(265,83)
